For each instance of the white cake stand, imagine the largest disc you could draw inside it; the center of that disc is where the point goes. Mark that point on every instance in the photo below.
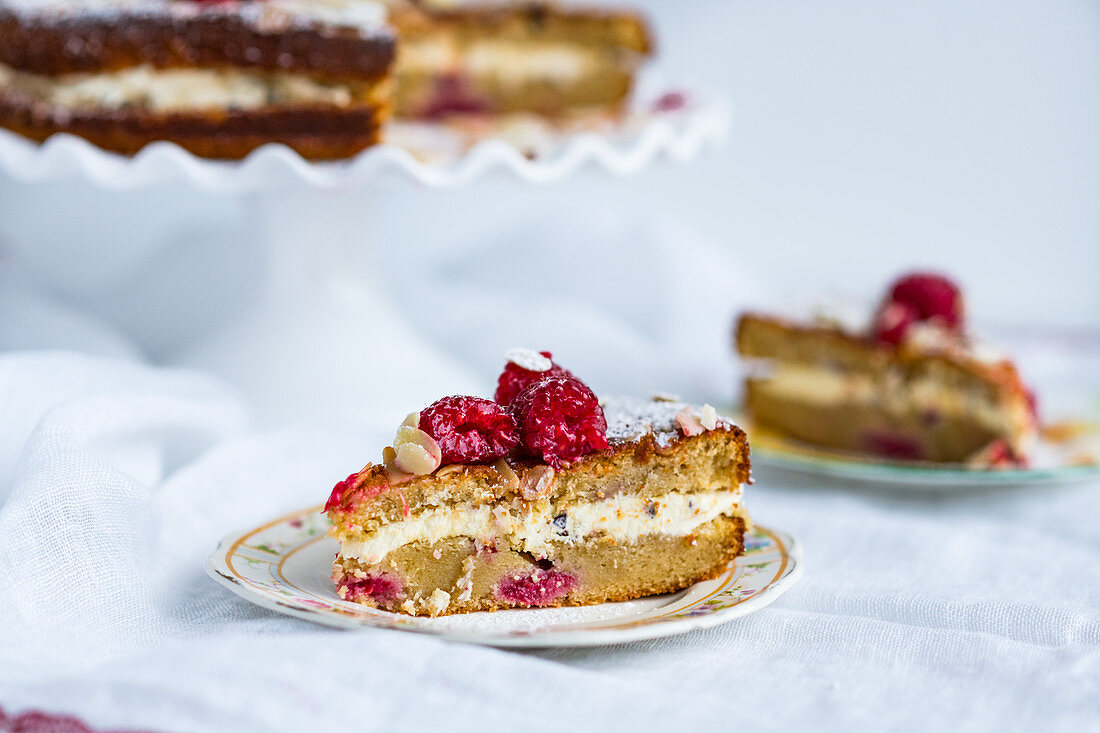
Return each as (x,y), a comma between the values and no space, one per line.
(322,340)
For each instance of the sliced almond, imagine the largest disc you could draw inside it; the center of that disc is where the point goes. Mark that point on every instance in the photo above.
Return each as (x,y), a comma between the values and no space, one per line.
(412,420)
(449,469)
(536,482)
(528,359)
(511,480)
(415,459)
(689,423)
(416,451)
(395,476)
(388,454)
(708,417)
(438,601)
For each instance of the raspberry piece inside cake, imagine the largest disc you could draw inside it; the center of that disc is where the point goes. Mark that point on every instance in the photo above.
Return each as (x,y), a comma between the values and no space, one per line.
(536,588)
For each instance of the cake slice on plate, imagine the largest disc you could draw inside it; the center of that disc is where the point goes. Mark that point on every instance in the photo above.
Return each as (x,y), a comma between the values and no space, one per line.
(218,78)
(908,384)
(544,497)
(500,57)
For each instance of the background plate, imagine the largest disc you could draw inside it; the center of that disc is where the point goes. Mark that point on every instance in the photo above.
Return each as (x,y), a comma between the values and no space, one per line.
(1054,464)
(285,566)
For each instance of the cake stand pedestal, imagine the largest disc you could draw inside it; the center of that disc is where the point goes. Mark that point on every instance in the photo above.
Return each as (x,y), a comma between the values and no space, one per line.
(322,340)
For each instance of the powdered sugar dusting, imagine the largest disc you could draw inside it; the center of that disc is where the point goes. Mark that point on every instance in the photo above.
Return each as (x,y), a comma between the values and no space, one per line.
(629,419)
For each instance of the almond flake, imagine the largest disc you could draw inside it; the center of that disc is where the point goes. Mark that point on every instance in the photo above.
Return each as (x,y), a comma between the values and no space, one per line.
(408,438)
(528,359)
(536,482)
(708,417)
(439,601)
(511,480)
(449,469)
(688,423)
(414,459)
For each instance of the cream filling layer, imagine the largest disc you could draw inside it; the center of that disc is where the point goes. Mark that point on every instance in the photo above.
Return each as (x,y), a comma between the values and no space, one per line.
(823,386)
(532,528)
(169,90)
(506,62)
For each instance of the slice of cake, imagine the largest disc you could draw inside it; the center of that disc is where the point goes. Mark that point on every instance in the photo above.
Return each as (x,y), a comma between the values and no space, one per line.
(544,497)
(498,57)
(218,78)
(910,384)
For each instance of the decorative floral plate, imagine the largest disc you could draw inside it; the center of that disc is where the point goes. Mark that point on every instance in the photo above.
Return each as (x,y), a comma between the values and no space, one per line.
(285,565)
(1066,453)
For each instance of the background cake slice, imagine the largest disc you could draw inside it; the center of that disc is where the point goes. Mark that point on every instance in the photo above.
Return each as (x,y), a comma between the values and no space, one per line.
(556,500)
(910,385)
(217,78)
(499,57)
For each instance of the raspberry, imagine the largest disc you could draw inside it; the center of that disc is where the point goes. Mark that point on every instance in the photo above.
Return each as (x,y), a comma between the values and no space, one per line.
(514,379)
(336,498)
(470,429)
(670,102)
(1032,404)
(560,420)
(934,296)
(998,454)
(537,588)
(452,96)
(893,320)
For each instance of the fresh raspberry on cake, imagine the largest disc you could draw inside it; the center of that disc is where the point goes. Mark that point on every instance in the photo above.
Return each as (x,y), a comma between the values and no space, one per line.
(470,429)
(560,420)
(923,296)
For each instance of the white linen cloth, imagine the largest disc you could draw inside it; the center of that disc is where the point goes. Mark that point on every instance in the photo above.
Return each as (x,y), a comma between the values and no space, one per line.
(979,611)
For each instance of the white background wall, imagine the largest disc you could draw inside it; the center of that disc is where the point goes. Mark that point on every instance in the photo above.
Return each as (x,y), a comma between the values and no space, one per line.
(874,135)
